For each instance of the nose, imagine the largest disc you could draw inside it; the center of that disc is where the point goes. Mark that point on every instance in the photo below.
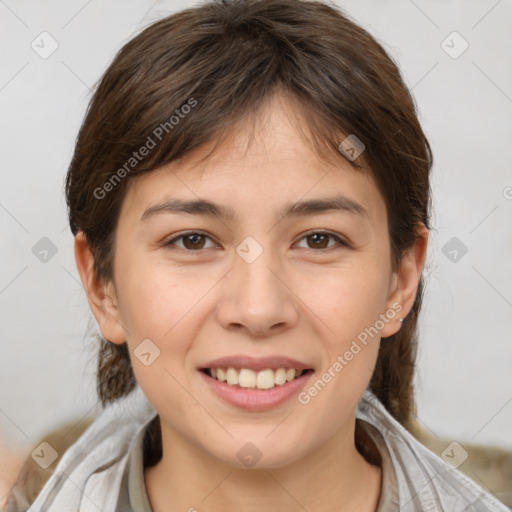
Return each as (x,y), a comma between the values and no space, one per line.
(256,298)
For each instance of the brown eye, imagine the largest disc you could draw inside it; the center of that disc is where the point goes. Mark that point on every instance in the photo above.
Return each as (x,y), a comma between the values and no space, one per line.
(192,241)
(320,240)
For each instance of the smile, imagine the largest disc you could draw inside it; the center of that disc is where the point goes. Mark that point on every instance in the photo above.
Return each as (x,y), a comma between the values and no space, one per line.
(250,379)
(254,390)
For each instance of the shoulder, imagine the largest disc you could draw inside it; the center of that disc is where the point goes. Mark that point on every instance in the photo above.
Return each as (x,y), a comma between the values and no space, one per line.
(92,467)
(425,481)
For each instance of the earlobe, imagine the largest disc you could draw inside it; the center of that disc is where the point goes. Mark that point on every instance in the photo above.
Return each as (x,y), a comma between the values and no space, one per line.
(100,294)
(405,281)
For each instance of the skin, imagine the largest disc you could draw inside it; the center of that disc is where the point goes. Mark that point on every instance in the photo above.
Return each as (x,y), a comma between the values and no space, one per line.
(302,297)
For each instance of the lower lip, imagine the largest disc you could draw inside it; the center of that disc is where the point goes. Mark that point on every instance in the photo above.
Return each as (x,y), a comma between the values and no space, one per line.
(256,399)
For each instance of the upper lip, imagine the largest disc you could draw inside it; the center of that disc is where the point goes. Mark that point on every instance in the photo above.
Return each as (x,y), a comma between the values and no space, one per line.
(256,363)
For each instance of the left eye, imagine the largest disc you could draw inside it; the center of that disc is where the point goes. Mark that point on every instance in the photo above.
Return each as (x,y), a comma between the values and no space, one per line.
(319,240)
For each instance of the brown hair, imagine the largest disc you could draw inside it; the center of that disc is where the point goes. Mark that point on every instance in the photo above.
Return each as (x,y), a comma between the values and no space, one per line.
(223,60)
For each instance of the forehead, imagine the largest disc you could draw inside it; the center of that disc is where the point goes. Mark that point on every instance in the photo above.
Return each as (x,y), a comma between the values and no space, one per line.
(265,160)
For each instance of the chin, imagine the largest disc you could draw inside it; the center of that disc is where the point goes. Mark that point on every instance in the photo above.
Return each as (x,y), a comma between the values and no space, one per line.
(262,455)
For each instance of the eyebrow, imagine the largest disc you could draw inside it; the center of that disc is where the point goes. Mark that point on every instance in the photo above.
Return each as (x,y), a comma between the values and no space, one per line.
(298,209)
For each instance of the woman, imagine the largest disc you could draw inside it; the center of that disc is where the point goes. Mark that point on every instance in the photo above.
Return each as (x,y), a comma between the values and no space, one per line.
(249,196)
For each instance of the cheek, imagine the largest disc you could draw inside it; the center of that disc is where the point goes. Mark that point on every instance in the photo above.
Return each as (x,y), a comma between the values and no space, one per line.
(350,309)
(348,299)
(349,304)
(156,300)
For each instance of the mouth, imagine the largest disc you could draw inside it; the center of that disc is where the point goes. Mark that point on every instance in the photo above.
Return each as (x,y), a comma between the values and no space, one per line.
(247,378)
(255,383)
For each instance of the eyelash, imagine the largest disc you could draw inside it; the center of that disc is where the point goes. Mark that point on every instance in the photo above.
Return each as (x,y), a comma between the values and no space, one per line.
(339,240)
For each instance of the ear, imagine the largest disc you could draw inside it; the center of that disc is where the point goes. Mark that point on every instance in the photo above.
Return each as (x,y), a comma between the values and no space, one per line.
(404,282)
(100,294)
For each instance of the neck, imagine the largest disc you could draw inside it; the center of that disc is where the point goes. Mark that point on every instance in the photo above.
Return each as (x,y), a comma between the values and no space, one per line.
(333,477)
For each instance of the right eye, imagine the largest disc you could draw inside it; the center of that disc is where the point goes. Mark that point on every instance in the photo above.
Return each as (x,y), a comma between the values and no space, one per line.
(193,241)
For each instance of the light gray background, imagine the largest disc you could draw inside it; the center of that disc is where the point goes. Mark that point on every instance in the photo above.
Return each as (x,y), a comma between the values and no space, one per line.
(464,383)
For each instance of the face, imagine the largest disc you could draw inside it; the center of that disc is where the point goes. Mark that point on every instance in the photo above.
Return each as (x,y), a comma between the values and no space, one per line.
(261,280)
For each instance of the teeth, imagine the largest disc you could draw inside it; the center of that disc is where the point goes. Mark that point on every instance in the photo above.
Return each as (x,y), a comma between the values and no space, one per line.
(280,376)
(246,378)
(232,376)
(265,379)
